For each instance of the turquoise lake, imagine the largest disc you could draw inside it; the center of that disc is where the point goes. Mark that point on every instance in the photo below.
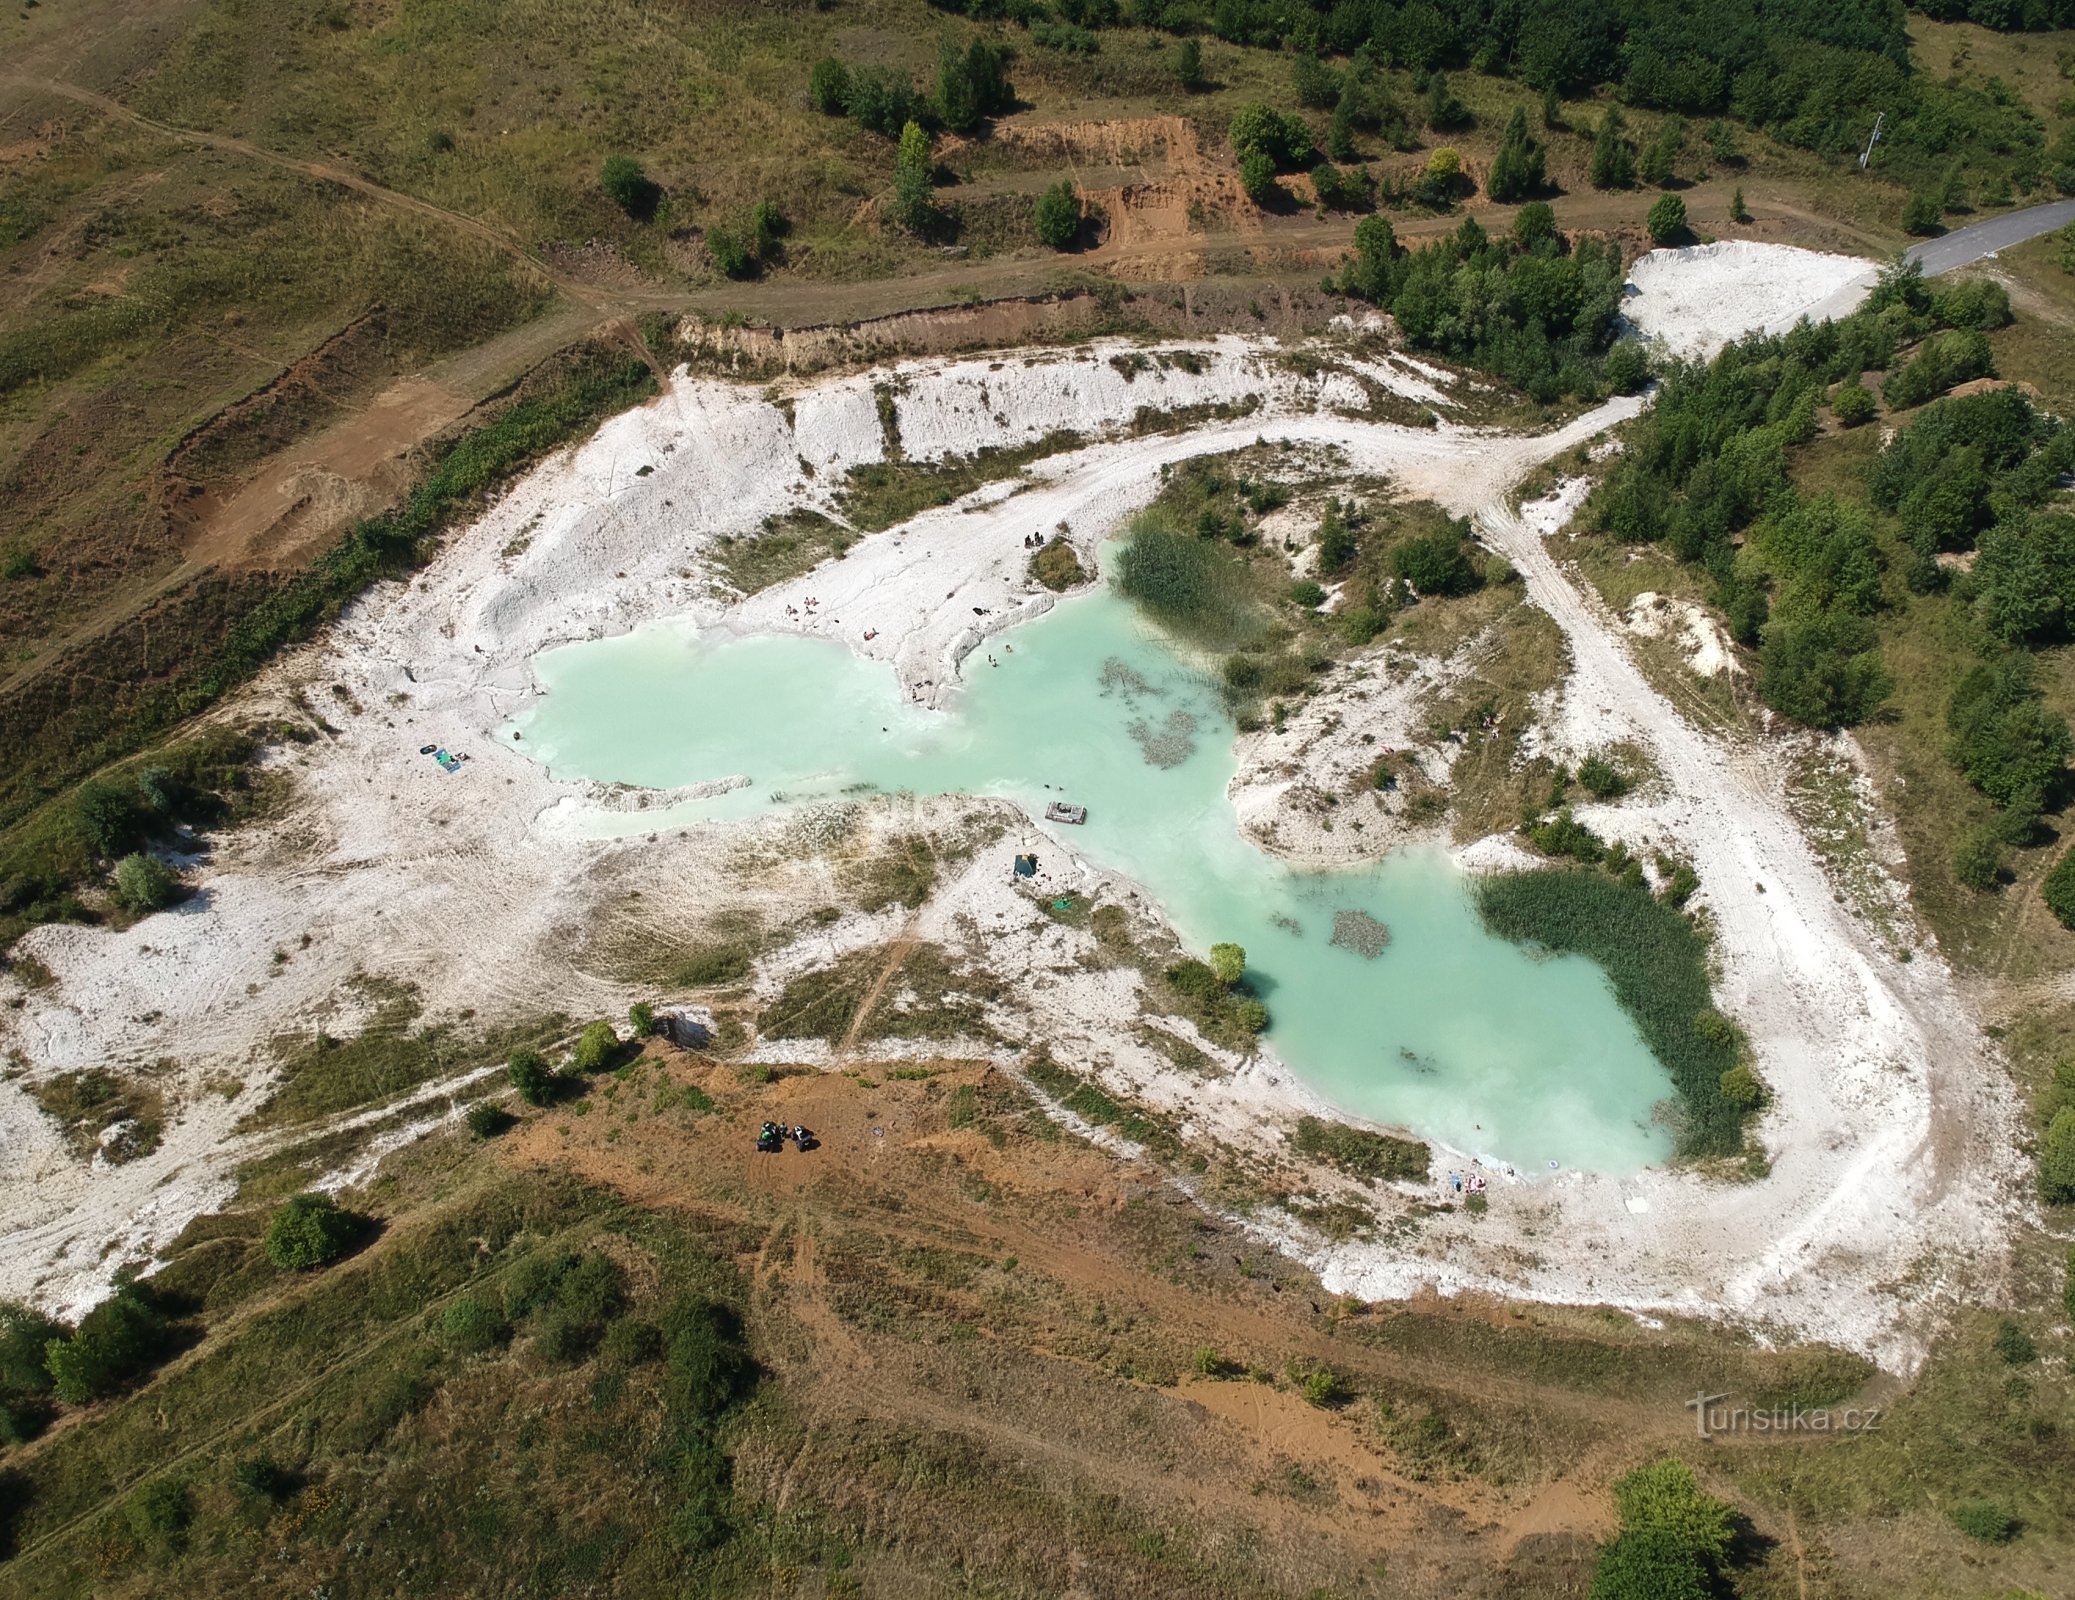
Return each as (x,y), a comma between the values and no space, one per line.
(1460,1037)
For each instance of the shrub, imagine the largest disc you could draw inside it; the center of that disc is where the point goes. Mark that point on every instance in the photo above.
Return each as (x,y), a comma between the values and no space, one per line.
(971,83)
(1601,779)
(1663,1497)
(1306,594)
(1821,670)
(1057,215)
(2013,1344)
(828,86)
(2004,738)
(630,188)
(1978,858)
(1257,178)
(1227,964)
(1649,1564)
(487,1120)
(115,1341)
(308,1230)
(1667,219)
(1741,1088)
(2057,1158)
(1852,404)
(1613,157)
(1442,179)
(1360,1153)
(729,251)
(110,817)
(1517,169)
(641,1017)
(596,1047)
(471,1324)
(1188,65)
(1257,129)
(1989,1521)
(1923,216)
(143,882)
(532,1077)
(25,1333)
(1325,1388)
(264,1477)
(1738,211)
(159,1512)
(1437,562)
(1057,565)
(1941,361)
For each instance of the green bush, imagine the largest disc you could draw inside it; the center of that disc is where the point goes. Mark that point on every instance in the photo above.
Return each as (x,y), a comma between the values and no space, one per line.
(630,188)
(1613,163)
(1188,64)
(631,1342)
(1284,139)
(1361,1153)
(159,1512)
(486,1119)
(1228,965)
(1057,215)
(1822,669)
(730,252)
(110,816)
(1667,220)
(143,883)
(914,203)
(2057,1157)
(1437,562)
(1650,1564)
(1601,779)
(1663,1497)
(1923,216)
(308,1231)
(470,1324)
(1852,404)
(1989,1521)
(1978,858)
(532,1077)
(1306,595)
(596,1048)
(25,1333)
(1742,1088)
(263,1477)
(114,1342)
(1517,170)
(828,86)
(641,1017)
(1257,178)
(1941,361)
(2013,1344)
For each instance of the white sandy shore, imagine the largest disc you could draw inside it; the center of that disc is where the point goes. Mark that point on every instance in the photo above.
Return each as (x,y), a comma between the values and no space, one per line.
(1890,1127)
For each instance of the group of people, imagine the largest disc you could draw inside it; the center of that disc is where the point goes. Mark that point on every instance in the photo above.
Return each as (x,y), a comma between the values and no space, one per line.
(772,1136)
(1474,1183)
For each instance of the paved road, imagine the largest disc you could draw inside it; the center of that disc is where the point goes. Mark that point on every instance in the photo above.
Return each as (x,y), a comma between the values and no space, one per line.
(1971,243)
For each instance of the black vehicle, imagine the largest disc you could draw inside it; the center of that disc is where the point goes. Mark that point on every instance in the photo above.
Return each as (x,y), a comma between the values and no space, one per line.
(770,1139)
(804,1138)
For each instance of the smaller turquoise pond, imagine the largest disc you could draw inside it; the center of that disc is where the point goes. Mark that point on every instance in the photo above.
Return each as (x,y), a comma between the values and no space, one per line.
(1461,1037)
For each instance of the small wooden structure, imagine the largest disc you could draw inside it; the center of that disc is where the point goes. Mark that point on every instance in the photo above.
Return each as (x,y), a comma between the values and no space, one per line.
(1060,811)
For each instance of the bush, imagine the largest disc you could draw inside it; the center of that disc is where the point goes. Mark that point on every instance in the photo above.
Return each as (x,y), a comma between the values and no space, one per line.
(109,816)
(1601,779)
(264,1477)
(2057,1157)
(1613,157)
(308,1231)
(143,883)
(1664,1498)
(1360,1153)
(631,1342)
(1821,670)
(1261,130)
(2013,1344)
(487,1120)
(1057,215)
(1852,404)
(730,252)
(1257,178)
(1667,219)
(1306,594)
(1437,562)
(158,1513)
(1989,1521)
(1923,216)
(1517,170)
(630,188)
(114,1342)
(913,205)
(25,1333)
(470,1324)
(532,1077)
(1649,1564)
(1741,1088)
(1188,65)
(2004,738)
(1941,361)
(641,1017)
(596,1047)
(828,86)
(1227,965)
(1738,211)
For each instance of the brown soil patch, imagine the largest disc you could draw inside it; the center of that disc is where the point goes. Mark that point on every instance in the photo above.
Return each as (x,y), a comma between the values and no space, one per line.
(1170,143)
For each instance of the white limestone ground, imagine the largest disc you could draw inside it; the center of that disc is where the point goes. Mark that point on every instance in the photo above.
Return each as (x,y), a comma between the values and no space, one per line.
(491,890)
(1695,300)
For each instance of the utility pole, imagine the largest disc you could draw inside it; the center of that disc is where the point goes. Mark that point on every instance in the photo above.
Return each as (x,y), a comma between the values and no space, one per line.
(1866,155)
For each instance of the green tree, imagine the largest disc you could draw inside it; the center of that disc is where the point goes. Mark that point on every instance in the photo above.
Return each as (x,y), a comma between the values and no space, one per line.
(1258,129)
(1057,215)
(1336,540)
(532,1077)
(1667,219)
(486,1120)
(2057,1150)
(1852,404)
(1986,1521)
(110,817)
(1517,169)
(1738,211)
(1228,964)
(1316,84)
(2003,736)
(828,86)
(1534,228)
(1368,275)
(308,1230)
(143,882)
(1659,165)
(1437,562)
(1188,65)
(1822,669)
(972,83)
(1721,138)
(641,1017)
(1340,132)
(1552,109)
(629,187)
(595,1047)
(913,207)
(1613,157)
(1445,108)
